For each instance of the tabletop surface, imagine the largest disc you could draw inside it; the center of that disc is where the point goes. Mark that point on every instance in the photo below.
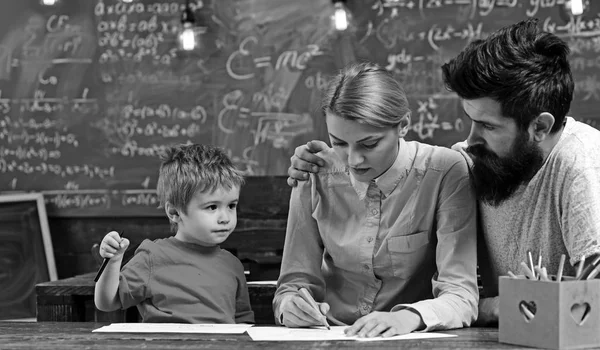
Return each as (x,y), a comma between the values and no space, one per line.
(64,335)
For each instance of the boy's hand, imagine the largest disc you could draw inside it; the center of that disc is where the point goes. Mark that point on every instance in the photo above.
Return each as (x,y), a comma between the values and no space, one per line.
(298,313)
(113,245)
(304,161)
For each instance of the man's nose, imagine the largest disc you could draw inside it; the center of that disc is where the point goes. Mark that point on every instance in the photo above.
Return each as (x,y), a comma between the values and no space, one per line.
(474,135)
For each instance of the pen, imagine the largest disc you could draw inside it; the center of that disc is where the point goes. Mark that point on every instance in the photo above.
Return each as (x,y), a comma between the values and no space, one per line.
(588,269)
(580,268)
(304,294)
(104,263)
(593,273)
(527,312)
(528,273)
(531,267)
(561,266)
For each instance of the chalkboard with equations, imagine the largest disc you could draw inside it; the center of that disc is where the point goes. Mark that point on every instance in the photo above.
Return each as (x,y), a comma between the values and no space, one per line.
(92,90)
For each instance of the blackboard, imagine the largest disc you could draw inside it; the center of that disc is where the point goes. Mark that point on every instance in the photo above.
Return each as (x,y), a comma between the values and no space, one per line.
(27,257)
(91,90)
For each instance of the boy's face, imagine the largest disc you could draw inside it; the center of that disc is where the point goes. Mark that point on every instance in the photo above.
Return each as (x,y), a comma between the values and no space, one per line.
(210,217)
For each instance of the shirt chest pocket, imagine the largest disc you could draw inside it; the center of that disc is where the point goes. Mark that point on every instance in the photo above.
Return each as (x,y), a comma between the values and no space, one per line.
(407,253)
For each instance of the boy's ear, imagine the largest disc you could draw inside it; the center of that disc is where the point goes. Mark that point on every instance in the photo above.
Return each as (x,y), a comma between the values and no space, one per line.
(172,212)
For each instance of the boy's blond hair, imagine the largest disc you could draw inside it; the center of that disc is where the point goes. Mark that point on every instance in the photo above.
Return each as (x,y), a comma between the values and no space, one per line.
(191,168)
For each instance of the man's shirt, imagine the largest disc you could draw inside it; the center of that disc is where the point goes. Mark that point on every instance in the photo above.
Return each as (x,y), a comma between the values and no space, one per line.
(557,212)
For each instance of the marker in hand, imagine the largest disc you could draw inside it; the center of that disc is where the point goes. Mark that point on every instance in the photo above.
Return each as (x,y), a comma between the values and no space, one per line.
(104,263)
(304,294)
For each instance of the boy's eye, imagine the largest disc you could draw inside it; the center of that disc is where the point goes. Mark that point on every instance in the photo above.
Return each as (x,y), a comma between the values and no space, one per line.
(212,207)
(338,144)
(233,206)
(488,127)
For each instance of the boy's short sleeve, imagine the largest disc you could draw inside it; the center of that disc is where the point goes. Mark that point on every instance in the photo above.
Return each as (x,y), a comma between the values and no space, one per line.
(134,279)
(243,309)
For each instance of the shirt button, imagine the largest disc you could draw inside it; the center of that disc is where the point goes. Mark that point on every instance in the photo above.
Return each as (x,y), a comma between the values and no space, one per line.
(370,239)
(375,211)
(365,307)
(366,267)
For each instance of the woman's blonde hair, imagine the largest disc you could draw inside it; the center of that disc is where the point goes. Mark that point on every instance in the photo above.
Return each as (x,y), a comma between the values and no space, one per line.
(369,94)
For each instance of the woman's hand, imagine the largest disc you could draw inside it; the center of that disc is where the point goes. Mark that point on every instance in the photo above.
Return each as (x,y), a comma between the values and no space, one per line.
(386,324)
(297,312)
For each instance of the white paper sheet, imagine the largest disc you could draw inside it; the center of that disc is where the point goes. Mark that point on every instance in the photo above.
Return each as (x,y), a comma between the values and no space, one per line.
(321,333)
(269,283)
(174,328)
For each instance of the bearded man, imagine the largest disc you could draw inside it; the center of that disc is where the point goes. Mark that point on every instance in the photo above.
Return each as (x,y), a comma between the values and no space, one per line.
(536,172)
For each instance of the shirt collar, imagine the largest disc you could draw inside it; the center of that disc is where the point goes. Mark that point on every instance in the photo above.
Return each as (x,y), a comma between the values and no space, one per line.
(389,180)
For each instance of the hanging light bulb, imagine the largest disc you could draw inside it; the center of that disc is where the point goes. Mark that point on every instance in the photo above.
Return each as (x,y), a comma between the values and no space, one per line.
(127,1)
(49,2)
(341,17)
(187,37)
(576,7)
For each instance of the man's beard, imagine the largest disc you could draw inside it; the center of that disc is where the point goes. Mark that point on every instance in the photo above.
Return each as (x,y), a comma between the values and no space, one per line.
(496,178)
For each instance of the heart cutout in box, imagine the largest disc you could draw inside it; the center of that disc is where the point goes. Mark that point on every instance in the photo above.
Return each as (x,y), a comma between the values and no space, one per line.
(528,310)
(580,312)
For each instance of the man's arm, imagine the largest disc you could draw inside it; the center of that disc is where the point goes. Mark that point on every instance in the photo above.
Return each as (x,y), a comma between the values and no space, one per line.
(488,312)
(304,161)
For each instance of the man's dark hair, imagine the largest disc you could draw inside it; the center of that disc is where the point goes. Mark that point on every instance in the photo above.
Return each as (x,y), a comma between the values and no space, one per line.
(521,67)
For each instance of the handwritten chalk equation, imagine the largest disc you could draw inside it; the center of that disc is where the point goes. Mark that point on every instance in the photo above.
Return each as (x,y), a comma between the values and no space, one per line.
(587,88)
(576,27)
(164,111)
(89,170)
(242,63)
(161,8)
(276,127)
(391,32)
(22,153)
(428,121)
(485,7)
(40,103)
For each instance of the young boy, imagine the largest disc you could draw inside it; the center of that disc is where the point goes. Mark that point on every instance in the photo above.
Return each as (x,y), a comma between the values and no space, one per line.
(186,278)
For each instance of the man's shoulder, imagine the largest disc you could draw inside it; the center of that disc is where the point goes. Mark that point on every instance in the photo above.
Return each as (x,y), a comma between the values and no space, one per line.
(579,146)
(437,157)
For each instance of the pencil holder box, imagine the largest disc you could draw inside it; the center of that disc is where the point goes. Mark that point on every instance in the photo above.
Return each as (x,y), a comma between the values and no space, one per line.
(549,314)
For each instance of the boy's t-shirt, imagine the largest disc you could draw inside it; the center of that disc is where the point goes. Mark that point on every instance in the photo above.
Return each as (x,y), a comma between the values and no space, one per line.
(177,282)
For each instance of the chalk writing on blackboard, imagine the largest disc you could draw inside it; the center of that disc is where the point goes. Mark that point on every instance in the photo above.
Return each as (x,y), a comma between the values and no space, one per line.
(91,92)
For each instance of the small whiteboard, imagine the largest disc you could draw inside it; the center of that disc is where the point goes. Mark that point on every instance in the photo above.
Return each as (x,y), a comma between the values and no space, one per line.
(26,254)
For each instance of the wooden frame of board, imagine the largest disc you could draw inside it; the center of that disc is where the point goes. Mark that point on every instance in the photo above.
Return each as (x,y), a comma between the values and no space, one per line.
(38,198)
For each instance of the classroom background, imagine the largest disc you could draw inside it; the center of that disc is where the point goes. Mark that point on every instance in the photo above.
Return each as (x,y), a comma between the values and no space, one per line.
(92,90)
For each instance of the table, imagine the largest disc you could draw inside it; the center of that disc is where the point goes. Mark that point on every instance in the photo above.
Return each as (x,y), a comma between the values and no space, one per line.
(78,335)
(72,300)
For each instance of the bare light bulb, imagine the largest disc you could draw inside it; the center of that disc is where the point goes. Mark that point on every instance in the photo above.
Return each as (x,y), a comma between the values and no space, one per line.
(576,7)
(127,1)
(49,2)
(340,17)
(187,38)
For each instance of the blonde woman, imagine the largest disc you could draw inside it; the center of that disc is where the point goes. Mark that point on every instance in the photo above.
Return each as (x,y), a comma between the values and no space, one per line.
(384,235)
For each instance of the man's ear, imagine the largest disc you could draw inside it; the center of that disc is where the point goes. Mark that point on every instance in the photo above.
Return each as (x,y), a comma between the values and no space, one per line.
(404,125)
(172,212)
(541,126)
